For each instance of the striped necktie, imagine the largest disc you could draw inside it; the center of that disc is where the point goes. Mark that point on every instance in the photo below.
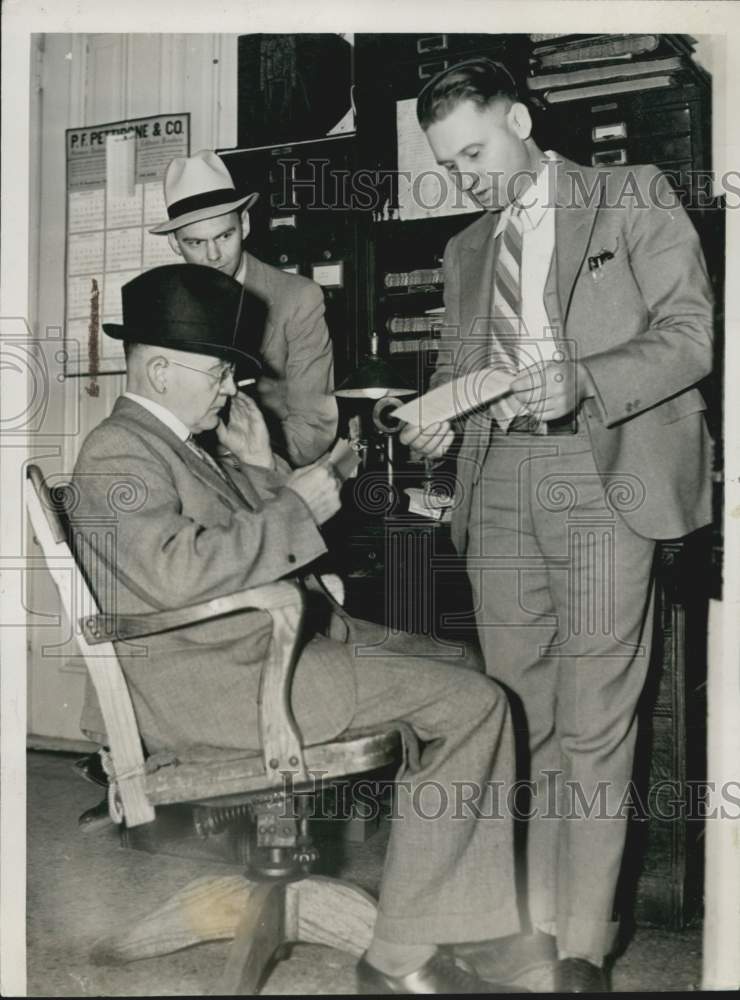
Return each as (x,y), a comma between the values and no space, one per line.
(507,309)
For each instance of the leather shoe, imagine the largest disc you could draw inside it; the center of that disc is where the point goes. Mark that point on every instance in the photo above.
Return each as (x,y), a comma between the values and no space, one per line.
(91,769)
(576,975)
(507,959)
(96,818)
(439,974)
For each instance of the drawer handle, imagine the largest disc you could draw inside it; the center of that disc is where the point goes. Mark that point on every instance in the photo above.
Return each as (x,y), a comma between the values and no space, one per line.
(427,70)
(606,133)
(609,156)
(431,43)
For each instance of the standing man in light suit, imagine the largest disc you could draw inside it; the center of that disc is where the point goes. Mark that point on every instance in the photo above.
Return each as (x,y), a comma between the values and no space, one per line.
(208,221)
(591,285)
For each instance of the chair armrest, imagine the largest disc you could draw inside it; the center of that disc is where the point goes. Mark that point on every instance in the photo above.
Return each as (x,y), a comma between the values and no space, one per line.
(111,628)
(280,740)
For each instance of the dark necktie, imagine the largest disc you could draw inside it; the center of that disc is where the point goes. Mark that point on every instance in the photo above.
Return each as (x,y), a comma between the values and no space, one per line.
(204,456)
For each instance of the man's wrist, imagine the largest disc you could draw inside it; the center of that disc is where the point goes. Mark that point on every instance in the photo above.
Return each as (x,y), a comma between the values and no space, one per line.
(265,461)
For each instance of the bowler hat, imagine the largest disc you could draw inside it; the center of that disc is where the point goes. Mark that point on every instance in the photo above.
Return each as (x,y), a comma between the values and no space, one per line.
(193,308)
(199,187)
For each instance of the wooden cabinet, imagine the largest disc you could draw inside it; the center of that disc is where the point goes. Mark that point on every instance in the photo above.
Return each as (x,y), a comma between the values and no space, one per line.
(662,876)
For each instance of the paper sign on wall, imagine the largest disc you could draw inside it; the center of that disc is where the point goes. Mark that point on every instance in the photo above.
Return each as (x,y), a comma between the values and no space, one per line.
(114,195)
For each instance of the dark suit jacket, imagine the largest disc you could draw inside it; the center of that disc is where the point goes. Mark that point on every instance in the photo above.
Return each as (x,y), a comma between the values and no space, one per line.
(156,527)
(297,348)
(643,329)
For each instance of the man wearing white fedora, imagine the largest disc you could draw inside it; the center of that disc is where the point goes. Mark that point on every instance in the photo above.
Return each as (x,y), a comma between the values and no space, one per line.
(207,224)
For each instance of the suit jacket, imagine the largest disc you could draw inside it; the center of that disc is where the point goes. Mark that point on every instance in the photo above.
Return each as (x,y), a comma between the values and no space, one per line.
(296,347)
(156,527)
(643,328)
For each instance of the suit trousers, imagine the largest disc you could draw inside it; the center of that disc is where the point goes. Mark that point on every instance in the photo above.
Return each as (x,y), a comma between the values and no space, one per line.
(564,602)
(449,867)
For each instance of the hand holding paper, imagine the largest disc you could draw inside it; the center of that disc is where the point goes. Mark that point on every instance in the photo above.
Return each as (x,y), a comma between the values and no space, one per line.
(428,442)
(554,389)
(455,398)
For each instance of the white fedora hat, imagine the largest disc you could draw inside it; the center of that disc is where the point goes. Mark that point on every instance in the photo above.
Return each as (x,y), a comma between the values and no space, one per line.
(199,187)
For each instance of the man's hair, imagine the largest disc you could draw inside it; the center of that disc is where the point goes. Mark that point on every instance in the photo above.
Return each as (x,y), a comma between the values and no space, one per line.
(479,80)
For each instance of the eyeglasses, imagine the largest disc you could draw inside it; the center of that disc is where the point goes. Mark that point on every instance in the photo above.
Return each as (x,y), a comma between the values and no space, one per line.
(221,377)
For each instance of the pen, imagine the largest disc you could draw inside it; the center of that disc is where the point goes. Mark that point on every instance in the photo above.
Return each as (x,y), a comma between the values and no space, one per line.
(245,381)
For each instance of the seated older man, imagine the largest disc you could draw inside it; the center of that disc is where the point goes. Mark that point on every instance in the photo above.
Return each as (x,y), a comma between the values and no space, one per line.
(192,529)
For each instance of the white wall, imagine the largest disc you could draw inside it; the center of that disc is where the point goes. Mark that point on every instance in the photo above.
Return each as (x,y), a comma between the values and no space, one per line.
(82,80)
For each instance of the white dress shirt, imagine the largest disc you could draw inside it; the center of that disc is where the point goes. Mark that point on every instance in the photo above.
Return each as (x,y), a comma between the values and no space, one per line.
(161,413)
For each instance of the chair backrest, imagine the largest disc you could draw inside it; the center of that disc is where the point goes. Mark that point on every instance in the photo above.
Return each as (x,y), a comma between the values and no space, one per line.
(46,511)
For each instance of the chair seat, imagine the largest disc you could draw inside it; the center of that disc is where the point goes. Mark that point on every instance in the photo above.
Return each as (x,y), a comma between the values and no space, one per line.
(205,775)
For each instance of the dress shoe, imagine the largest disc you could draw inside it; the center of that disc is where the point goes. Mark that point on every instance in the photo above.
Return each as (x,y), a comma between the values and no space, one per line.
(96,818)
(576,975)
(440,974)
(91,769)
(525,960)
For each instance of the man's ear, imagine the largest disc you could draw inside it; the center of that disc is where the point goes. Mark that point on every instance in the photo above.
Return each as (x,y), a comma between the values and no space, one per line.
(245,223)
(520,120)
(172,238)
(156,370)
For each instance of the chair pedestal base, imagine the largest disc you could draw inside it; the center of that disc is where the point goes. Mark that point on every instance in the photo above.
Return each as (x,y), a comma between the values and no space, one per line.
(261,917)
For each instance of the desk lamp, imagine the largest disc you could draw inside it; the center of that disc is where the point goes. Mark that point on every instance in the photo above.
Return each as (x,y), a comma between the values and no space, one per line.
(375,379)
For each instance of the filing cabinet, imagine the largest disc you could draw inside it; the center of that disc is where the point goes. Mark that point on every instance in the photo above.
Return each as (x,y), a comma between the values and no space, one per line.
(668,127)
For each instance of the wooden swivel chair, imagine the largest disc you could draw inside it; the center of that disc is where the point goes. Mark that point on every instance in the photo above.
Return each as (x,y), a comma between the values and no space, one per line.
(276,902)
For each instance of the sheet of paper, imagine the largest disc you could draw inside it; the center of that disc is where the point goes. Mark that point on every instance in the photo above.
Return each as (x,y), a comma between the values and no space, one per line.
(343,459)
(85,211)
(124,209)
(425,190)
(123,249)
(120,165)
(455,398)
(157,250)
(85,253)
(114,194)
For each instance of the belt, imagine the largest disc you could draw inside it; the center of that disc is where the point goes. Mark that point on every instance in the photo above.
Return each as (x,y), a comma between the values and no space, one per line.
(526,423)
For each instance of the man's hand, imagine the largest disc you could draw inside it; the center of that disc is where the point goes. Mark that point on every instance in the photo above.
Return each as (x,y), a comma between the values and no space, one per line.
(246,434)
(318,487)
(428,442)
(553,389)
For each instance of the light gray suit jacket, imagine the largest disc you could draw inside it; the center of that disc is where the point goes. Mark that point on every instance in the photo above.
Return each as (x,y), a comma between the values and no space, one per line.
(156,527)
(643,328)
(297,348)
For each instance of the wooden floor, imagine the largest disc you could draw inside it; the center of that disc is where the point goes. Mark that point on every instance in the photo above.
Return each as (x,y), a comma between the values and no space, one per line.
(79,887)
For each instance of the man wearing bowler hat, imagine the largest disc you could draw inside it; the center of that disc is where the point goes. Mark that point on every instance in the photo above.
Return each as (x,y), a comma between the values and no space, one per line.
(191,529)
(207,224)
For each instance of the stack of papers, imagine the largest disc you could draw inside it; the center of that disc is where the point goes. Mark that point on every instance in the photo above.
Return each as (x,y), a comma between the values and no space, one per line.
(429,504)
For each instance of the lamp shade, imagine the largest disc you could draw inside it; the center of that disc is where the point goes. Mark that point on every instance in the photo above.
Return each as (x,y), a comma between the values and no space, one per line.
(373,378)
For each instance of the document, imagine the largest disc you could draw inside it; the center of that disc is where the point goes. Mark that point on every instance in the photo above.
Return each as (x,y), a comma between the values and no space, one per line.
(343,460)
(114,194)
(455,398)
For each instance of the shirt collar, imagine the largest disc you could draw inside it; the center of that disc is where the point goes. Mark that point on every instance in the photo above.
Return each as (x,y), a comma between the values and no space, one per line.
(535,201)
(241,274)
(161,413)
